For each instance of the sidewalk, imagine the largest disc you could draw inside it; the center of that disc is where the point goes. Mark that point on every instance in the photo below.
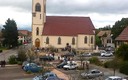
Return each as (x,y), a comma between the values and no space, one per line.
(60,74)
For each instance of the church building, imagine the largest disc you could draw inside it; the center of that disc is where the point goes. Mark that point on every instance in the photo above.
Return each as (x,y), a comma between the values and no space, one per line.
(57,31)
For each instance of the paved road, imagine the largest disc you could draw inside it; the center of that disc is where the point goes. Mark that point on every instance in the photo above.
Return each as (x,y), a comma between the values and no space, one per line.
(7,53)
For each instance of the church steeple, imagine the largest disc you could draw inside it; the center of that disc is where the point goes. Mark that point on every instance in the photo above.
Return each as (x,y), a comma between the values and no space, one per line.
(38,21)
(39,12)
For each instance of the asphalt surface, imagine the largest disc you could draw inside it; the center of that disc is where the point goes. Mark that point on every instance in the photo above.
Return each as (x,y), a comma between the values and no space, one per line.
(14,72)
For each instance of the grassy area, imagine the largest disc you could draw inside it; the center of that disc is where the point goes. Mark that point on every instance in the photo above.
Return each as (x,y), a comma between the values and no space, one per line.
(3,48)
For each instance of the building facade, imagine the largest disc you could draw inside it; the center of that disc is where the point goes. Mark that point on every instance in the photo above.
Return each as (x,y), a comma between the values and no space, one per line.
(24,36)
(122,38)
(106,38)
(57,31)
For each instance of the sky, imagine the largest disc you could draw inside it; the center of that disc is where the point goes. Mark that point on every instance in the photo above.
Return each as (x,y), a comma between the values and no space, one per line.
(101,12)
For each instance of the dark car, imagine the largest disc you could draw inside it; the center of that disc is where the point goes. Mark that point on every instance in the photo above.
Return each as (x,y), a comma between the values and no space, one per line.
(32,67)
(62,64)
(46,58)
(53,78)
(68,55)
(47,76)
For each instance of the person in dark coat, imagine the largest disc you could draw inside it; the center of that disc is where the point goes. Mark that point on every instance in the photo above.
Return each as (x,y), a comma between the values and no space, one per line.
(4,63)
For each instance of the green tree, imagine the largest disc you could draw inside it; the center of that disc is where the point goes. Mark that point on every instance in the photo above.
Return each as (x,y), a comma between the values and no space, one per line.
(114,65)
(108,27)
(98,41)
(122,52)
(119,26)
(10,33)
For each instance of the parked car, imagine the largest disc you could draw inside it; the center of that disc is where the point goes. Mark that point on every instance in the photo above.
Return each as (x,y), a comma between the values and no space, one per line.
(85,55)
(24,63)
(106,54)
(114,78)
(70,66)
(32,67)
(62,64)
(70,54)
(47,76)
(92,74)
(46,58)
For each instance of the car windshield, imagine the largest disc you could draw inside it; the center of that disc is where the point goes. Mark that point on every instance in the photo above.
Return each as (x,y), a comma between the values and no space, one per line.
(94,71)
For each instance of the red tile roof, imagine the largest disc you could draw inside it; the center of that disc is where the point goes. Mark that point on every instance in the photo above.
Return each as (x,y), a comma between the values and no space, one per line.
(24,32)
(68,26)
(123,36)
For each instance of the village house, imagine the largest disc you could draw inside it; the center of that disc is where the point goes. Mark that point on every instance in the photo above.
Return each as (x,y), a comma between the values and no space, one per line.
(106,38)
(122,38)
(24,36)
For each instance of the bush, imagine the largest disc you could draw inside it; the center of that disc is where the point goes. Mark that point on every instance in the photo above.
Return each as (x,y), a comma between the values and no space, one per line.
(124,68)
(95,60)
(21,55)
(12,59)
(80,68)
(29,72)
(1,51)
(19,62)
(107,64)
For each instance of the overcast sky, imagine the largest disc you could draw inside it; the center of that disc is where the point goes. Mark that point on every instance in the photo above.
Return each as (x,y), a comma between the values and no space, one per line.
(101,12)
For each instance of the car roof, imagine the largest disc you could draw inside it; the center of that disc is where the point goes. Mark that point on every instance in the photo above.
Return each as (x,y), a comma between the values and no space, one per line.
(94,70)
(114,77)
(50,74)
(53,78)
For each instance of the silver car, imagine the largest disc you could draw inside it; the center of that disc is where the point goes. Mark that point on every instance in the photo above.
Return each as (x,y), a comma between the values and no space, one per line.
(106,54)
(70,66)
(92,74)
(114,78)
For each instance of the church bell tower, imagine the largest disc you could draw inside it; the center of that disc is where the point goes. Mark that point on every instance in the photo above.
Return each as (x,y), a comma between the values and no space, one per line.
(38,21)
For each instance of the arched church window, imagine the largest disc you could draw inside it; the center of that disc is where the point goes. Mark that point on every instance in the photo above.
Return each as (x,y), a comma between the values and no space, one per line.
(85,39)
(73,41)
(92,40)
(38,7)
(59,40)
(47,40)
(37,31)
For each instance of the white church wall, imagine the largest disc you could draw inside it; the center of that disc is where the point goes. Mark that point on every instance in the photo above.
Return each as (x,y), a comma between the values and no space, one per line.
(53,41)
(88,45)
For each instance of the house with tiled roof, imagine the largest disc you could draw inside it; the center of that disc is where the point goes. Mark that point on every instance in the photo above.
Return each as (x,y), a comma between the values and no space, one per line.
(57,31)
(24,36)
(105,37)
(123,37)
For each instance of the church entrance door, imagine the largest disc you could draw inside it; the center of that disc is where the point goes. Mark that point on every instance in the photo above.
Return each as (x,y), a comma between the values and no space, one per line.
(37,43)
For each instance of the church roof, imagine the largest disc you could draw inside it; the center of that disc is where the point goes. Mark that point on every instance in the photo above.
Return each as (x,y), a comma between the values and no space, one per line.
(123,36)
(68,26)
